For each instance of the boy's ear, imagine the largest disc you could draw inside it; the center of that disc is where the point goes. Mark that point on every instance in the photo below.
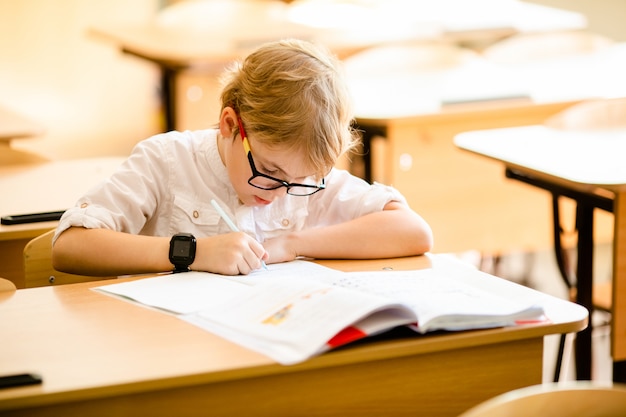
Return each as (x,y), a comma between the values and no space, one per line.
(228,122)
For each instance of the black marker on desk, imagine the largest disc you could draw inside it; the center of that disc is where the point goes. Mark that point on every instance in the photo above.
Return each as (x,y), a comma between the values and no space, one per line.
(18,380)
(31,217)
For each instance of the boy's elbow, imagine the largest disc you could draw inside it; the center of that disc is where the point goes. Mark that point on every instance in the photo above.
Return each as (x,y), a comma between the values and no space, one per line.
(425,239)
(425,242)
(63,256)
(60,260)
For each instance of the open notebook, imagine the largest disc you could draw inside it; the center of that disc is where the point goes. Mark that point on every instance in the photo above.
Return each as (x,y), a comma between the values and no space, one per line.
(299,309)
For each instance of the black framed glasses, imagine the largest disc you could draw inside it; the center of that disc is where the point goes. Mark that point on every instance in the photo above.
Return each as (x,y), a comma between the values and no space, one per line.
(266,182)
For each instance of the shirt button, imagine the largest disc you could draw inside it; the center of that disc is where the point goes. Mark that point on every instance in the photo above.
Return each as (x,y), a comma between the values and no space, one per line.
(285,222)
(196,214)
(84,205)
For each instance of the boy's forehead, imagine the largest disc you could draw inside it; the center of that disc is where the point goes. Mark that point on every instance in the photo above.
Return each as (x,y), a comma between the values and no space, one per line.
(292,161)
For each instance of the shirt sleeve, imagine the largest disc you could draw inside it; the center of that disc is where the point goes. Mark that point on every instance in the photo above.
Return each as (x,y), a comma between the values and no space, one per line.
(127,200)
(347,197)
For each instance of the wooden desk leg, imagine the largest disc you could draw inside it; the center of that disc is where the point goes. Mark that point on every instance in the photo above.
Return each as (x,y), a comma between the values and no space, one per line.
(618,316)
(168,88)
(168,97)
(584,274)
(368,133)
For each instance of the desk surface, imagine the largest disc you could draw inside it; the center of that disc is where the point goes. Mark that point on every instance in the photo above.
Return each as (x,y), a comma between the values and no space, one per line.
(477,84)
(90,346)
(185,35)
(590,162)
(593,158)
(14,126)
(47,186)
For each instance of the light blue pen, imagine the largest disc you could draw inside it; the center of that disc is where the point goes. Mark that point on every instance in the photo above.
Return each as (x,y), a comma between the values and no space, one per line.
(229,222)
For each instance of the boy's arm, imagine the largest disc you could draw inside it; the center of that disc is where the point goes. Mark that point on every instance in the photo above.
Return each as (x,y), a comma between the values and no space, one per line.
(104,252)
(395,231)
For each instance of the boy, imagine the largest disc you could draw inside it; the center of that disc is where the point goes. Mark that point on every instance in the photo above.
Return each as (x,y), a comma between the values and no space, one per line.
(285,120)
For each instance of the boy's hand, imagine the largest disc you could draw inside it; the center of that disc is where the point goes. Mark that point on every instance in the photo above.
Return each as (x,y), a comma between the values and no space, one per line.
(229,254)
(279,250)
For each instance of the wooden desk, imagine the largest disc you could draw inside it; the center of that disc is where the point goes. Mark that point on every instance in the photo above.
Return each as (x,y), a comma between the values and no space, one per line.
(41,187)
(435,182)
(100,356)
(15,126)
(190,63)
(416,154)
(588,167)
(191,44)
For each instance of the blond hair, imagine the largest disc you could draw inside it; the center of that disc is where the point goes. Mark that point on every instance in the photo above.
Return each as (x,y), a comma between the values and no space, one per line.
(291,94)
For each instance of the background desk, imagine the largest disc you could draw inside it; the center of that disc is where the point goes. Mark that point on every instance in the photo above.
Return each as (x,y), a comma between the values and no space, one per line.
(416,154)
(15,126)
(41,187)
(193,42)
(191,46)
(102,356)
(586,163)
(449,188)
(190,60)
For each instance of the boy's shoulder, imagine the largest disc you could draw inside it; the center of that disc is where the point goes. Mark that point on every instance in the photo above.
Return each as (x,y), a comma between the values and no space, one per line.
(192,140)
(184,136)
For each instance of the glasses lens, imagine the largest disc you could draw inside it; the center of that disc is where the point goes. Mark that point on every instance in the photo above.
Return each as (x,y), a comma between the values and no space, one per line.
(265,183)
(301,191)
(308,187)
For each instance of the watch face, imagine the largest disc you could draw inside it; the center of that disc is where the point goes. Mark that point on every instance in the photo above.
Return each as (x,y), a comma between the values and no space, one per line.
(182,251)
(181,248)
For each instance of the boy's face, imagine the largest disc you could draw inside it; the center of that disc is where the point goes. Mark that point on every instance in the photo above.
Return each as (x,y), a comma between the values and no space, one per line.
(258,171)
(260,160)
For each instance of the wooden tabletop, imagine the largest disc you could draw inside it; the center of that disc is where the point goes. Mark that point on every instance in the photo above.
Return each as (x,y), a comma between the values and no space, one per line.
(88,345)
(589,161)
(590,158)
(47,186)
(212,33)
(469,84)
(14,125)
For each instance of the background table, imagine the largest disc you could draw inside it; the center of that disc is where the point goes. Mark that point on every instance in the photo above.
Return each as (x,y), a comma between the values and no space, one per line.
(192,43)
(182,43)
(99,355)
(15,126)
(42,187)
(413,126)
(587,166)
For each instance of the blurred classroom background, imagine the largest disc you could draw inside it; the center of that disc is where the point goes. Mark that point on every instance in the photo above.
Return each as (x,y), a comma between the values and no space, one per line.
(92,100)
(97,77)
(85,74)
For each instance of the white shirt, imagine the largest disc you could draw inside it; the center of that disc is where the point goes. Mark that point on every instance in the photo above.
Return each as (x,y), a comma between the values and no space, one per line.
(166,185)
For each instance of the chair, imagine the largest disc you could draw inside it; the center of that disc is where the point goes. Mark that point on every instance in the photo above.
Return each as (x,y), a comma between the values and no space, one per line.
(580,398)
(591,115)
(529,47)
(38,270)
(406,58)
(6,285)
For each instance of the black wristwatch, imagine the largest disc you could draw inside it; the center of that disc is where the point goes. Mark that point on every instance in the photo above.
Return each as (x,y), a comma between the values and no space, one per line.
(182,251)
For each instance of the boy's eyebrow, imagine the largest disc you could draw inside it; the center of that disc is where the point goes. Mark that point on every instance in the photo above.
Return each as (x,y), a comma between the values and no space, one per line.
(274,167)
